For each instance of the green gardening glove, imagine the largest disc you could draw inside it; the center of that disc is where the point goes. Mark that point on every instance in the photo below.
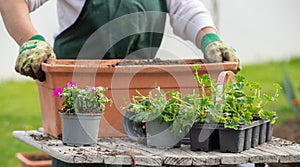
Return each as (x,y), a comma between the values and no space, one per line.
(215,50)
(32,54)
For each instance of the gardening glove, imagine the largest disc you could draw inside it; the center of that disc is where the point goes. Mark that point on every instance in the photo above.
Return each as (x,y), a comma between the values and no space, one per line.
(32,54)
(215,50)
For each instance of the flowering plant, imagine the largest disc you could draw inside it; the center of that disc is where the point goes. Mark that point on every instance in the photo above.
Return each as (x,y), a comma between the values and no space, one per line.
(82,100)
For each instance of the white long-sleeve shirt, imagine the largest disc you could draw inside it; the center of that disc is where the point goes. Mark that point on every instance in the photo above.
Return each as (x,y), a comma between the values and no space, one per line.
(187,17)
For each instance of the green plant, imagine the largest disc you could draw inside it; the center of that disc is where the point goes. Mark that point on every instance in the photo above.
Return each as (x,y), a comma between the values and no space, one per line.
(160,106)
(243,101)
(235,104)
(231,104)
(85,100)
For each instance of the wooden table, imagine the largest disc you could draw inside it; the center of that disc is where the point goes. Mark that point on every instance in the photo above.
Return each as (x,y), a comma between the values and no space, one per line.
(126,152)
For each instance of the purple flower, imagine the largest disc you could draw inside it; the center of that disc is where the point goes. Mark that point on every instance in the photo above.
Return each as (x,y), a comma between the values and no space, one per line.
(58,92)
(100,95)
(71,84)
(93,90)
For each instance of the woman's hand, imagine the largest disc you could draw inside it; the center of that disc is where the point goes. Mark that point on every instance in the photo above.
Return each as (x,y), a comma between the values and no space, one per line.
(32,54)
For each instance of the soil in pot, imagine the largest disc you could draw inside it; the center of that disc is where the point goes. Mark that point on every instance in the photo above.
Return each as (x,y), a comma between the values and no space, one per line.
(156,61)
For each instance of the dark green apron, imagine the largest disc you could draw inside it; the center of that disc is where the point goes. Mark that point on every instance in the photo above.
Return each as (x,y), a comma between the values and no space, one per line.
(96,14)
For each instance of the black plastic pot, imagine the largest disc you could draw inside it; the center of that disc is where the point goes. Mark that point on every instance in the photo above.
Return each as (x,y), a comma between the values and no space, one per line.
(269,131)
(255,135)
(248,138)
(207,137)
(233,140)
(204,137)
(262,132)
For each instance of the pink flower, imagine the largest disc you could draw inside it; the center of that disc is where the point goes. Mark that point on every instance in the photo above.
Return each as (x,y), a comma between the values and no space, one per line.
(93,90)
(71,84)
(58,92)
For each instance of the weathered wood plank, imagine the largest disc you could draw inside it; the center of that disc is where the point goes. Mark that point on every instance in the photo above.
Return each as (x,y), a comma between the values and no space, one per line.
(284,155)
(118,160)
(53,147)
(176,157)
(123,151)
(231,158)
(137,152)
(257,156)
(202,158)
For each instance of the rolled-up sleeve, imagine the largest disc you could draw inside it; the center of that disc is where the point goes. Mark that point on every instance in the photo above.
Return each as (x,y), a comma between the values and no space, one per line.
(34,4)
(188,17)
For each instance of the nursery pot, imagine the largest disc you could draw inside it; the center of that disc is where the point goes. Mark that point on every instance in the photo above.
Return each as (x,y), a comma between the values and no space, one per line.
(234,140)
(80,129)
(204,137)
(255,135)
(122,82)
(34,159)
(159,135)
(269,131)
(245,137)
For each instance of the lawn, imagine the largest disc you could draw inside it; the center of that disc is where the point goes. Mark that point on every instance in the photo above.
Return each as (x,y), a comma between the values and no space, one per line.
(267,74)
(20,107)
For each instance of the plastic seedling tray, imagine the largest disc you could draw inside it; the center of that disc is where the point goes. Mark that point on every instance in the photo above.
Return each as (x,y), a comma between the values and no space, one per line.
(236,140)
(269,131)
(263,132)
(204,137)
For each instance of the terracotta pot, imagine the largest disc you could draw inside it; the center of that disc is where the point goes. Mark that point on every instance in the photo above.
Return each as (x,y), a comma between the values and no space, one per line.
(34,159)
(121,81)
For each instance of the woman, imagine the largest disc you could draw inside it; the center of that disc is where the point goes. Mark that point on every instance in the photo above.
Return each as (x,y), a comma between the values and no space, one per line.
(109,29)
(79,19)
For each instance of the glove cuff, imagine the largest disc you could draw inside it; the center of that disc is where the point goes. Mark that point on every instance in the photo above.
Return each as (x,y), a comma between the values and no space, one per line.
(37,37)
(207,39)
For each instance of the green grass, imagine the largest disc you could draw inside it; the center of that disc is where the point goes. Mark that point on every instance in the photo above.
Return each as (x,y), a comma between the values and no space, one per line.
(20,108)
(270,73)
